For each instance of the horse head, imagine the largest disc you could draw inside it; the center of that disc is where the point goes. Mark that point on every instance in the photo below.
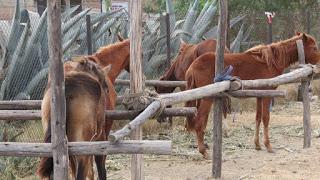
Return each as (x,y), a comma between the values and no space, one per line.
(311,51)
(117,55)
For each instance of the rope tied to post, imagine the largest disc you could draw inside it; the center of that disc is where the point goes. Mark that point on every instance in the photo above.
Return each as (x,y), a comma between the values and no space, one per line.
(139,101)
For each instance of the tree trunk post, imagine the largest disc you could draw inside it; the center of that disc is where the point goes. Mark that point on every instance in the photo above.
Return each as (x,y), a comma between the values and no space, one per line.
(305,100)
(136,77)
(89,34)
(58,101)
(168,40)
(218,103)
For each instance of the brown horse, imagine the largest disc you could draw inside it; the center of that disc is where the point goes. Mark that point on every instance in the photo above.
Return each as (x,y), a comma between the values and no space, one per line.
(85,91)
(263,61)
(118,56)
(187,54)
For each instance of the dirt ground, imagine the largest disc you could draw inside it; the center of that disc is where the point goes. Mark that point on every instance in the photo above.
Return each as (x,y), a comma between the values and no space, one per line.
(240,159)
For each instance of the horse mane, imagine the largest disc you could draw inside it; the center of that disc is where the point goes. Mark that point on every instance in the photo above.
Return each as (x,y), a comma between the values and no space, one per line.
(277,55)
(110,48)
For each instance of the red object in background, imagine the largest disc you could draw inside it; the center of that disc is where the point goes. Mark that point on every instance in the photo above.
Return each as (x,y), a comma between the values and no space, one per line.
(270,16)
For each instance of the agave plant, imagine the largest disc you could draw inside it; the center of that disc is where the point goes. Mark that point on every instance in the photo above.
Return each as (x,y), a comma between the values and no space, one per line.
(24,62)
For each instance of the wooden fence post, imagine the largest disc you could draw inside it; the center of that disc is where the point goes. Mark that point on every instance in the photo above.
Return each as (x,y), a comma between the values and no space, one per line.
(305,100)
(168,40)
(58,102)
(136,77)
(218,103)
(89,34)
(308,21)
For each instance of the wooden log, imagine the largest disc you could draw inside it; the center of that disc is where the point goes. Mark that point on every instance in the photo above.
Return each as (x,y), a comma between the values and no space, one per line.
(36,104)
(168,62)
(290,77)
(154,83)
(134,124)
(167,112)
(20,114)
(136,77)
(25,104)
(256,93)
(218,102)
(198,93)
(89,34)
(110,114)
(58,101)
(87,148)
(305,100)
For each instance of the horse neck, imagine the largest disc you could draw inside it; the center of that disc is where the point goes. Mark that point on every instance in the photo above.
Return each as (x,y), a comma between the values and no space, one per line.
(118,58)
(290,56)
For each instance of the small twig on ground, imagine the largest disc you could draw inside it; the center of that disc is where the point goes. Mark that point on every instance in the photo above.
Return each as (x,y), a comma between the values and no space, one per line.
(243,177)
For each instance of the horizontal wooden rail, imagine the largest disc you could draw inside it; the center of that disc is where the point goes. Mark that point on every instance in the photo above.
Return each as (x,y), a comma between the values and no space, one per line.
(110,114)
(87,148)
(36,104)
(154,83)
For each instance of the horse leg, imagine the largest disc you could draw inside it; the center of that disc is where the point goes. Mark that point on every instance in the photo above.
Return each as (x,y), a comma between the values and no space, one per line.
(258,121)
(100,162)
(84,168)
(266,118)
(201,123)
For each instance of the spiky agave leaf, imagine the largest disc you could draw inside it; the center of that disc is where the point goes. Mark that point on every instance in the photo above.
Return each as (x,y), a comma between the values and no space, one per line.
(190,20)
(212,33)
(11,68)
(28,64)
(204,23)
(204,9)
(207,15)
(33,84)
(179,24)
(235,45)
(13,39)
(155,64)
(67,25)
(67,14)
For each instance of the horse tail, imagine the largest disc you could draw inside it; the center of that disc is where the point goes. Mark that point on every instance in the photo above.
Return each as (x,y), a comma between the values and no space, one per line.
(45,167)
(80,170)
(191,84)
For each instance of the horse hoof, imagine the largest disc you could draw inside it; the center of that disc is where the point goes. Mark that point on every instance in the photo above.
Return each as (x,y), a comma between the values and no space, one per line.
(258,148)
(205,155)
(270,151)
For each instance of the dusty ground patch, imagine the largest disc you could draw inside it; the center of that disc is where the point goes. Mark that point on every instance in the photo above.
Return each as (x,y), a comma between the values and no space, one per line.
(241,161)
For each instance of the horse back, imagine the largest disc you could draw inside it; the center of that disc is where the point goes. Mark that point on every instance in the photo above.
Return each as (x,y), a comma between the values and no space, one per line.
(85,104)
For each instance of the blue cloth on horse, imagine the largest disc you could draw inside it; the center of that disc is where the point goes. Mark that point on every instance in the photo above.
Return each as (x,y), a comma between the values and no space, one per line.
(225,75)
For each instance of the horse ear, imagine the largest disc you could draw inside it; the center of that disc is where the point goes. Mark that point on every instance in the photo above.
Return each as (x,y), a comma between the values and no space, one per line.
(120,38)
(298,33)
(106,69)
